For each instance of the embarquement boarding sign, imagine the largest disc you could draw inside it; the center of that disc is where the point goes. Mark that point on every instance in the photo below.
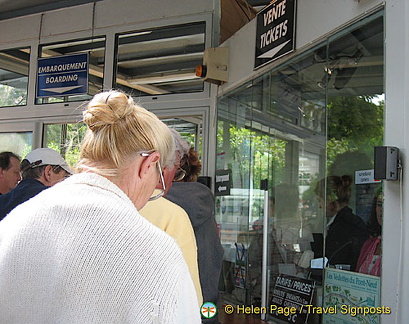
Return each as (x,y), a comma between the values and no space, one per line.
(62,75)
(275,34)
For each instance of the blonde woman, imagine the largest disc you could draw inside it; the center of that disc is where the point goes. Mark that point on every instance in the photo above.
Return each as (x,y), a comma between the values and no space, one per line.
(80,252)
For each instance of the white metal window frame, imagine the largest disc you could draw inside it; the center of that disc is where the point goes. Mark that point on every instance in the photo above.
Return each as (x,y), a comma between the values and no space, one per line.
(202,112)
(110,34)
(34,116)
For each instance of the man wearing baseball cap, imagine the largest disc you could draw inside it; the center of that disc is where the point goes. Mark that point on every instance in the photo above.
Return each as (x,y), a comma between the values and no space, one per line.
(41,169)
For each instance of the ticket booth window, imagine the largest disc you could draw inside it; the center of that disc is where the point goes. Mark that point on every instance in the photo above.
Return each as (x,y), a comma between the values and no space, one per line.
(308,127)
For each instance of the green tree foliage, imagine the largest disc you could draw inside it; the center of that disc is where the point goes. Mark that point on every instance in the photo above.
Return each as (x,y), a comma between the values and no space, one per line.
(256,155)
(10,96)
(355,126)
(66,139)
(354,123)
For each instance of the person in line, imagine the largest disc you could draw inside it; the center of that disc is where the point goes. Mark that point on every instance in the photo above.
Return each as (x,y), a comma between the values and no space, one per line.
(9,171)
(40,169)
(346,232)
(370,259)
(285,231)
(173,219)
(80,252)
(198,201)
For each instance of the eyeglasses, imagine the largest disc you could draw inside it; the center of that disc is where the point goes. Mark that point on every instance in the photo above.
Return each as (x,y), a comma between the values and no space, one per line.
(179,175)
(59,168)
(162,191)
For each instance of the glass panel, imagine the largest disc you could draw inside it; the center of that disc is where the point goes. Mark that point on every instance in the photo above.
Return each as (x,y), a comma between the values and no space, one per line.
(96,54)
(305,126)
(190,128)
(355,126)
(14,67)
(65,139)
(160,61)
(253,144)
(19,143)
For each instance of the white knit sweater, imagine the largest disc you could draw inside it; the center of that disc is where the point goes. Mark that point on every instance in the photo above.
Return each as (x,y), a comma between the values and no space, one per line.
(79,252)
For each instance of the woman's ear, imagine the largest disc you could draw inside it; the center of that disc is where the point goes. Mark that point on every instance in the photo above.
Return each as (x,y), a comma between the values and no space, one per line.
(148,163)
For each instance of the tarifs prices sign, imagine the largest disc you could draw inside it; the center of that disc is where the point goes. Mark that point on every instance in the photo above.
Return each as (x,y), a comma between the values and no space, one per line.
(275,31)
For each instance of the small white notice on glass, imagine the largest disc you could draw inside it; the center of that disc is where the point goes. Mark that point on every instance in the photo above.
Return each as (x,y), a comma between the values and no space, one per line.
(365,177)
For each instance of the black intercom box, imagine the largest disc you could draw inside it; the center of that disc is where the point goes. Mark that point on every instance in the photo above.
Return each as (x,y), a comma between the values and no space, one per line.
(386,161)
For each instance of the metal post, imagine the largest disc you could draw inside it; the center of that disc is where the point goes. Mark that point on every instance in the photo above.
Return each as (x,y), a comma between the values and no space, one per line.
(264,279)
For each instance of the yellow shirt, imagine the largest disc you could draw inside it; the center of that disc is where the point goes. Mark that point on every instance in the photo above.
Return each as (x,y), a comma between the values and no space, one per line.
(175,222)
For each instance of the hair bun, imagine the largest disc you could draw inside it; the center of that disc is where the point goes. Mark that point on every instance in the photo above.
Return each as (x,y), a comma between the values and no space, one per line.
(108,108)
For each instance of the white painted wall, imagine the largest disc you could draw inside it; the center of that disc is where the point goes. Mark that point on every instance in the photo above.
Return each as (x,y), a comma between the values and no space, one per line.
(395,266)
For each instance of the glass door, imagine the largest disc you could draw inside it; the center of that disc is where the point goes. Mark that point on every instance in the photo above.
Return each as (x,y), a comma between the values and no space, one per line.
(309,127)
(265,230)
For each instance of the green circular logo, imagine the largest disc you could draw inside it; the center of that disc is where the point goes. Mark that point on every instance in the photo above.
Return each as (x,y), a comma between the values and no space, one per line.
(208,310)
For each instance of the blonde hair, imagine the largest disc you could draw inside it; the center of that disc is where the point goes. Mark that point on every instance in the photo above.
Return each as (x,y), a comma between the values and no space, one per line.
(118,130)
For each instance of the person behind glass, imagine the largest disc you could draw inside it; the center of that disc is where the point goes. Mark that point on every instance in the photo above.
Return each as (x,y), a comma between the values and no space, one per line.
(40,169)
(173,219)
(9,171)
(346,232)
(80,252)
(370,259)
(198,201)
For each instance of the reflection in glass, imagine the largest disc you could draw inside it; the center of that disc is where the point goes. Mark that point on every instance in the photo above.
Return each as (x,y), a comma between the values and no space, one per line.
(370,258)
(19,143)
(318,115)
(190,128)
(160,60)
(14,67)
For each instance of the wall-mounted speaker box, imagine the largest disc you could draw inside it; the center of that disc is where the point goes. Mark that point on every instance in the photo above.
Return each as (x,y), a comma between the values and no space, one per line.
(386,162)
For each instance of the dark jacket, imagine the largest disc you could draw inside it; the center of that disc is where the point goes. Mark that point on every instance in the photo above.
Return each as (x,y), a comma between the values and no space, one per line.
(345,237)
(198,202)
(25,190)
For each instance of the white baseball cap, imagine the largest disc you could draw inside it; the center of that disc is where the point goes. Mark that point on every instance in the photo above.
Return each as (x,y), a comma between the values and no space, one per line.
(47,156)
